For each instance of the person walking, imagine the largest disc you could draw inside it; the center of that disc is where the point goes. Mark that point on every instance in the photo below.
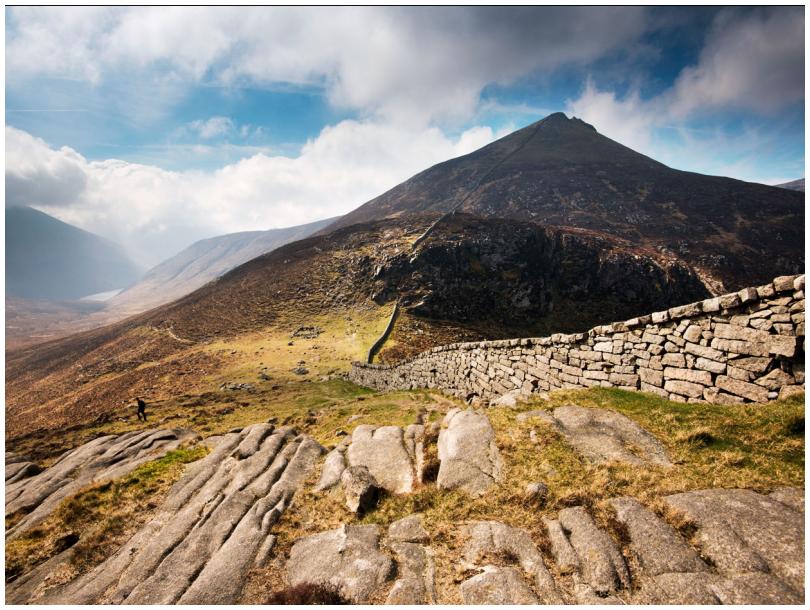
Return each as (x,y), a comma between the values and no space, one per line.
(141,410)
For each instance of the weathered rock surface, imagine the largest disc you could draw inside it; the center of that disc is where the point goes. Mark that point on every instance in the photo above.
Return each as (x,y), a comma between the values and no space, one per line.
(601,563)
(384,452)
(348,558)
(333,467)
(742,532)
(489,540)
(408,529)
(602,435)
(360,489)
(468,454)
(104,458)
(416,575)
(497,585)
(659,548)
(211,530)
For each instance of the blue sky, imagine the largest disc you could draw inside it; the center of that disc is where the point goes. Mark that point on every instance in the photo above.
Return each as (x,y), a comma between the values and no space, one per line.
(158,126)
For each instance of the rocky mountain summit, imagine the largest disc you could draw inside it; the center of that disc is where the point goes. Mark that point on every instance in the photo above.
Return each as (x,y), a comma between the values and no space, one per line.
(562,172)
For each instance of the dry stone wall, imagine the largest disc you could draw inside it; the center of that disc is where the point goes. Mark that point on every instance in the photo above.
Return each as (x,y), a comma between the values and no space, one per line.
(746,346)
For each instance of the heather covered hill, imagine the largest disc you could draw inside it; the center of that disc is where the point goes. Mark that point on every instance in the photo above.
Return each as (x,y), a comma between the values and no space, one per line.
(202,262)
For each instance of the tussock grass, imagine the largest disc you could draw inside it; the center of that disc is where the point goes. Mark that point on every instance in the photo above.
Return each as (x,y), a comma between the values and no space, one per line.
(98,519)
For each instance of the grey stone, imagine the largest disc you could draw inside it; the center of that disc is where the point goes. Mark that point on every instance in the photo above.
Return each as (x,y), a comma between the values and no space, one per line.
(333,467)
(497,585)
(212,529)
(408,529)
(565,557)
(791,496)
(469,457)
(755,588)
(102,459)
(742,388)
(360,489)
(416,575)
(657,545)
(536,492)
(742,531)
(775,379)
(383,451)
(678,588)
(601,435)
(348,558)
(491,539)
(601,563)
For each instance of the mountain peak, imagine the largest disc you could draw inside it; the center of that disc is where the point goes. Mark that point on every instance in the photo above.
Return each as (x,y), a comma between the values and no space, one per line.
(561,120)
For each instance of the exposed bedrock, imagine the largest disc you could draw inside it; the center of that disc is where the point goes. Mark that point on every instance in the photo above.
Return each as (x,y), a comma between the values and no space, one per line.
(212,528)
(102,459)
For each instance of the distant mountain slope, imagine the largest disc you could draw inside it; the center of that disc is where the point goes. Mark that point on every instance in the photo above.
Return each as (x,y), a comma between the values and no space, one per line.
(202,262)
(49,259)
(793,185)
(562,172)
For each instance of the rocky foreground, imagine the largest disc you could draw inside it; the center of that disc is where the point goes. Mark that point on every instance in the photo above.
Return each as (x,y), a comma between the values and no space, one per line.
(216,526)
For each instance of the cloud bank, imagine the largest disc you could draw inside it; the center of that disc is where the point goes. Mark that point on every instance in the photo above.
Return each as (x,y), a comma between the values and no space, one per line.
(154,212)
(411,65)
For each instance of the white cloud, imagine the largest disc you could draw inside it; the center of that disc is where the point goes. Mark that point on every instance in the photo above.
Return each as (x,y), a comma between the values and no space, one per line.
(155,212)
(752,60)
(407,64)
(214,127)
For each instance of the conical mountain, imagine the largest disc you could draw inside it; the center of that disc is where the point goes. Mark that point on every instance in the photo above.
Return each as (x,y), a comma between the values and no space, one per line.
(562,172)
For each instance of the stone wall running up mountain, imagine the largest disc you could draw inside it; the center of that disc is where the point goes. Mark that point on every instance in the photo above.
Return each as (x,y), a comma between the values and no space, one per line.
(746,346)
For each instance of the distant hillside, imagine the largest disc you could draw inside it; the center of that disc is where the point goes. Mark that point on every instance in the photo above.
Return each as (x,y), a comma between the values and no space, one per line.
(202,262)
(795,185)
(49,259)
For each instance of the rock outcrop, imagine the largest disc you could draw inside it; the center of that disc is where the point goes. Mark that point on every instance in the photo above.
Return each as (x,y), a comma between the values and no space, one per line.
(348,558)
(602,435)
(104,458)
(384,452)
(469,457)
(211,530)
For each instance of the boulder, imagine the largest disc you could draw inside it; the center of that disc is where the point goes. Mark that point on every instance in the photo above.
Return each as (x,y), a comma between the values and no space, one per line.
(469,457)
(601,563)
(408,529)
(333,467)
(383,452)
(348,558)
(497,586)
(360,488)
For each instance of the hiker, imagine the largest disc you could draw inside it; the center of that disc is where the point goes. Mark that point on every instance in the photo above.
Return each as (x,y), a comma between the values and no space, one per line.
(141,410)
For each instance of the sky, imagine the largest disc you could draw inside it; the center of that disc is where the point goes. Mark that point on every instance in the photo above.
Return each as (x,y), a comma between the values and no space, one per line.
(159,126)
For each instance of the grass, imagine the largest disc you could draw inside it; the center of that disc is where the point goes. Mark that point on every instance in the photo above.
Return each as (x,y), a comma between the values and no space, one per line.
(98,519)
